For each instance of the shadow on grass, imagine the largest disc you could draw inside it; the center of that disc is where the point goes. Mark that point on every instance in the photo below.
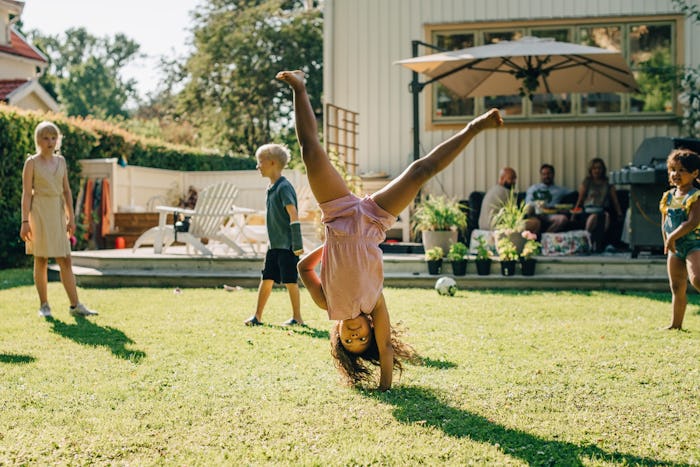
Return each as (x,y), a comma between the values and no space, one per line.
(663,297)
(420,406)
(302,330)
(14,358)
(85,332)
(432,363)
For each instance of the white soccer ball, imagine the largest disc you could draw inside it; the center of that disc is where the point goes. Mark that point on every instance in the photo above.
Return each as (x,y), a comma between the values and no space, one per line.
(446,286)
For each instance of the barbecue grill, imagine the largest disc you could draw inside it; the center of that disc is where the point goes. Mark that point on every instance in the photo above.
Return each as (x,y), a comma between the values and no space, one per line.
(648,179)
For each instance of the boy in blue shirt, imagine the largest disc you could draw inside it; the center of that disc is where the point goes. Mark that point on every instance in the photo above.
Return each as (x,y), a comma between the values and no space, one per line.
(284,233)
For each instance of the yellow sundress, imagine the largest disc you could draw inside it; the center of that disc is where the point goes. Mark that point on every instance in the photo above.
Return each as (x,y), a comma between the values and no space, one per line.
(47,215)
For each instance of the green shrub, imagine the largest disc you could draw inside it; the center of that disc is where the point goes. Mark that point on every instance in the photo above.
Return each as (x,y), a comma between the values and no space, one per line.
(82,139)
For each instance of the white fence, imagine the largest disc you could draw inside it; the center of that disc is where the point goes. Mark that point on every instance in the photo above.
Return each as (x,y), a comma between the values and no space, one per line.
(139,189)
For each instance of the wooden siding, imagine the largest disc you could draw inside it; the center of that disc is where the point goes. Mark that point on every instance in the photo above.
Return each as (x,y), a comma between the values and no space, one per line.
(364,38)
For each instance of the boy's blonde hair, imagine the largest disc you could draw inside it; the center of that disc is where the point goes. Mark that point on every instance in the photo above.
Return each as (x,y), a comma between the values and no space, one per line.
(276,152)
(44,128)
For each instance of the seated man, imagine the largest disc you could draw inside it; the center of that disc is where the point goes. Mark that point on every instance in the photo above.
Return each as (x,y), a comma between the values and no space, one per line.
(495,198)
(547,195)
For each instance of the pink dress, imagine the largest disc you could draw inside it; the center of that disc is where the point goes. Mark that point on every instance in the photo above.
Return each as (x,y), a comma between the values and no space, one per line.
(352,272)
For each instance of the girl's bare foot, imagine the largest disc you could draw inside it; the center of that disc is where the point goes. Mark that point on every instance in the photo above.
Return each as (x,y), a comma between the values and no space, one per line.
(490,119)
(294,78)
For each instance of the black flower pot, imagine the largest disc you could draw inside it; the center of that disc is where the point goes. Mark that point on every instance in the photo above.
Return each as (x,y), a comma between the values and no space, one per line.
(459,268)
(528,266)
(483,267)
(434,266)
(508,268)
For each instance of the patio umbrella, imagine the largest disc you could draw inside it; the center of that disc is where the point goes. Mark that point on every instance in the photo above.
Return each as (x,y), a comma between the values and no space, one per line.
(527,66)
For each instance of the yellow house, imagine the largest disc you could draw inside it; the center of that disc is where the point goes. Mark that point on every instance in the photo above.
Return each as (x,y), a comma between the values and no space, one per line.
(21,64)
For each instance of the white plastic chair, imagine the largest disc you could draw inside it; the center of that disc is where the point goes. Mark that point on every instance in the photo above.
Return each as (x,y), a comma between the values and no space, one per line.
(213,207)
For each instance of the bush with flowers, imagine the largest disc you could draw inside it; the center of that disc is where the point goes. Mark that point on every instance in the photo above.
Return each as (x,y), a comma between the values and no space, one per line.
(532,247)
(507,250)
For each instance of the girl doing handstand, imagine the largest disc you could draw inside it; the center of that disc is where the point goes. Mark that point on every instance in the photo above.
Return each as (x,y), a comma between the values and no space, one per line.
(351,275)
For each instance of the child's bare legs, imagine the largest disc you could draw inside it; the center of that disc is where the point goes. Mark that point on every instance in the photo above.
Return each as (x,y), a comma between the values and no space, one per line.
(326,183)
(264,291)
(41,278)
(692,266)
(295,299)
(401,192)
(68,279)
(678,280)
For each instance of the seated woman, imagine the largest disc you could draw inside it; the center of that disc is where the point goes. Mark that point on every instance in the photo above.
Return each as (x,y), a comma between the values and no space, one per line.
(599,199)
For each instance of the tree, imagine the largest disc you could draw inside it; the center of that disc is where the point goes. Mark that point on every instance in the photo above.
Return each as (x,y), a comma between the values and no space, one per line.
(83,72)
(157,116)
(689,9)
(240,45)
(689,98)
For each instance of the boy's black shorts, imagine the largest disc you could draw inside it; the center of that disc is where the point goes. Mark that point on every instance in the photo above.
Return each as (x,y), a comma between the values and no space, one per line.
(281,266)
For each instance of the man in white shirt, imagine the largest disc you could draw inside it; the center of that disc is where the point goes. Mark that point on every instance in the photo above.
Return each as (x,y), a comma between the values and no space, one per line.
(496,196)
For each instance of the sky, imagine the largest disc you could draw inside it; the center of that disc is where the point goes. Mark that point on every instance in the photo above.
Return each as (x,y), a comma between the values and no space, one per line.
(160,27)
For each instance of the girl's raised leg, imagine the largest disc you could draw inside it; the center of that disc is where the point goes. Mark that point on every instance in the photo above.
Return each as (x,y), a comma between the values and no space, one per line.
(326,183)
(401,192)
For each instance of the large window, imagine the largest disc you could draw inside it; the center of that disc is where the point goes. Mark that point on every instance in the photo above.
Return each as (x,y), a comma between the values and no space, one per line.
(648,47)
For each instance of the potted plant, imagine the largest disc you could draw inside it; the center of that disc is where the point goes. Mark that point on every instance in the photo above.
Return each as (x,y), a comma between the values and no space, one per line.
(458,258)
(438,219)
(508,255)
(531,248)
(483,257)
(434,258)
(509,220)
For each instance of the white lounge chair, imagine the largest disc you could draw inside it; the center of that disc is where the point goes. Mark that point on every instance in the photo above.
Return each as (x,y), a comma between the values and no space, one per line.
(214,206)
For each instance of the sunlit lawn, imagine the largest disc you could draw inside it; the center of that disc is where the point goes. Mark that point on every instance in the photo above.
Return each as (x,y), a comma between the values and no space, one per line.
(540,378)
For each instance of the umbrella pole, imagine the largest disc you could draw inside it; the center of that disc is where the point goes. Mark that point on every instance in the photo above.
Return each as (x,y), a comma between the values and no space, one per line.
(416,87)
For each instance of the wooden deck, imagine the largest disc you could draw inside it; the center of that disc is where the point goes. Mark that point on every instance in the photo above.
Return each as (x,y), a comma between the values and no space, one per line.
(177,268)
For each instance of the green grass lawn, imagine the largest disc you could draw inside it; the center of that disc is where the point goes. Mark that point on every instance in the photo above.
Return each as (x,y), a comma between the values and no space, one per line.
(508,378)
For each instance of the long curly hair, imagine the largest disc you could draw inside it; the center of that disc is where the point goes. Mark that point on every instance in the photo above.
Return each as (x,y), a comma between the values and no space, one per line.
(358,369)
(688,159)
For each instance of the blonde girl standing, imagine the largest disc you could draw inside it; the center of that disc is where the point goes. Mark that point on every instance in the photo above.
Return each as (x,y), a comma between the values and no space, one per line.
(48,219)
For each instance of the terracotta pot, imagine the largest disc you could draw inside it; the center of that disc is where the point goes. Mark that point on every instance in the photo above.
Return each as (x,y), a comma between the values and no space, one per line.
(441,238)
(515,237)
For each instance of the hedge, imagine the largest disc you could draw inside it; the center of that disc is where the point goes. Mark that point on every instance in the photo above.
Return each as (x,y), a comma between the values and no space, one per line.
(82,139)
